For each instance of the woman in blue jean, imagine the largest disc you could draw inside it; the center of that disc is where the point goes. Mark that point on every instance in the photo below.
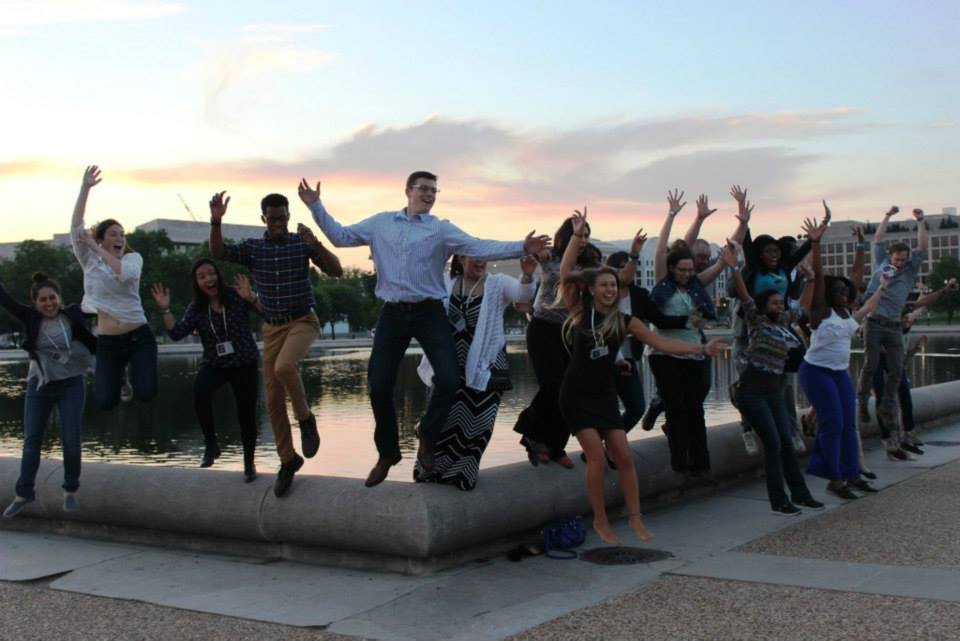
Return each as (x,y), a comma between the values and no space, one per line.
(111,290)
(825,378)
(760,394)
(60,348)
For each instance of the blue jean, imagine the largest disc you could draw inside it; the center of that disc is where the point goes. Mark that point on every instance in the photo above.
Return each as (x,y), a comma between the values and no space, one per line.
(835,455)
(630,391)
(68,395)
(139,349)
(398,324)
(767,414)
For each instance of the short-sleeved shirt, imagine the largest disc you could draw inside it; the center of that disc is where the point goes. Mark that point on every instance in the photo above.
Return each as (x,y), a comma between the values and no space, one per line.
(679,304)
(281,271)
(106,291)
(233,324)
(545,307)
(59,356)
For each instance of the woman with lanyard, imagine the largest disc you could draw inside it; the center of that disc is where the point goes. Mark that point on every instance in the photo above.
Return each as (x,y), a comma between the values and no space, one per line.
(60,348)
(111,290)
(475,309)
(825,377)
(761,390)
(588,396)
(221,316)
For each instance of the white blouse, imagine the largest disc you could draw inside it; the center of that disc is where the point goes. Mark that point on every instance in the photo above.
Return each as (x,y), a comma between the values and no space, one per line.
(830,342)
(106,291)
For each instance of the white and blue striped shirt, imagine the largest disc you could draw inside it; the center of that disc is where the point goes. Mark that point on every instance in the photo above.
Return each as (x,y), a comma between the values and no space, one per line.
(410,252)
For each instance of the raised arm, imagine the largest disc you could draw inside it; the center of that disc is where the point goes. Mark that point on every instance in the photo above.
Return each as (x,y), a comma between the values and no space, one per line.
(161,296)
(882,227)
(660,257)
(744,211)
(218,207)
(339,235)
(322,257)
(871,303)
(628,273)
(91,178)
(859,269)
(12,305)
(520,291)
(933,297)
(703,212)
(569,260)
(921,230)
(818,305)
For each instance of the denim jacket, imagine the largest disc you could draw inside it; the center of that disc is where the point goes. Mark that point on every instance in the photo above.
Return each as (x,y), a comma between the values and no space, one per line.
(666,288)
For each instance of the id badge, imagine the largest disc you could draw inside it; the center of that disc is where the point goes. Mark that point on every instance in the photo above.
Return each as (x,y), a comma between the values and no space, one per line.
(457,320)
(599,352)
(57,357)
(225,348)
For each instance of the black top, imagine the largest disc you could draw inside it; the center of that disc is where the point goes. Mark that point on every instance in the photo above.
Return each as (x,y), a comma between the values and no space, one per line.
(644,309)
(233,325)
(588,376)
(32,320)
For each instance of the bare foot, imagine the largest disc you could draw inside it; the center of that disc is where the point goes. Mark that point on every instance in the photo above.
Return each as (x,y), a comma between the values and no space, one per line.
(636,524)
(602,528)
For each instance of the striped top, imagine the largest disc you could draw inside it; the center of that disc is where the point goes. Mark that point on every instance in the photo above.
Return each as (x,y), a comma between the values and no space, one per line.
(281,271)
(769,341)
(410,252)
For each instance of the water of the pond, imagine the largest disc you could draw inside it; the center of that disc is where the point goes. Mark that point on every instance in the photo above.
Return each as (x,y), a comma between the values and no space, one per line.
(165,432)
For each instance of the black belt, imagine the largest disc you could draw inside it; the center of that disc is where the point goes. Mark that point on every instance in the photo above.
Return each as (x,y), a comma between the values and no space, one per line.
(412,307)
(883,321)
(283,320)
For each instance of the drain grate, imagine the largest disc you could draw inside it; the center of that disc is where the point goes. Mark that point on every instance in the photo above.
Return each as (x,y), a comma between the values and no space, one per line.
(623,556)
(943,443)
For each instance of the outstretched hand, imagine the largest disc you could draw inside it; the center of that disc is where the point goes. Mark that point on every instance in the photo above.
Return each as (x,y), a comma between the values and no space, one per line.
(744,207)
(673,198)
(579,220)
(638,242)
(858,233)
(703,207)
(892,211)
(918,214)
(812,229)
(952,284)
(91,176)
(716,346)
(535,244)
(161,295)
(730,253)
(307,235)
(218,206)
(307,195)
(241,283)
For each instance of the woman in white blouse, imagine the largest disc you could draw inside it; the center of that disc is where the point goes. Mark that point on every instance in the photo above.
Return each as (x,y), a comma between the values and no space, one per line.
(111,290)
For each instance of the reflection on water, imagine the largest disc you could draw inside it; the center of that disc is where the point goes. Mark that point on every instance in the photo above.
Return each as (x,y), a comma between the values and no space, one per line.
(165,432)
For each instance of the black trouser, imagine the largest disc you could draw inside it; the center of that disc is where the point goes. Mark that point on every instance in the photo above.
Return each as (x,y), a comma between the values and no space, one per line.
(541,421)
(903,395)
(245,383)
(681,385)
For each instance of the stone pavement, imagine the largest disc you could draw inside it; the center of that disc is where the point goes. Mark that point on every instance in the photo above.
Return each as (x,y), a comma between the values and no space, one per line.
(884,567)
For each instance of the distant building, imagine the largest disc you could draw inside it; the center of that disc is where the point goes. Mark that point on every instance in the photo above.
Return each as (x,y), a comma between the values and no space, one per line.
(184,234)
(943,233)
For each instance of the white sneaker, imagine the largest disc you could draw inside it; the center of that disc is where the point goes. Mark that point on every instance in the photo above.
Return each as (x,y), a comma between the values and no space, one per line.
(799,445)
(126,392)
(750,443)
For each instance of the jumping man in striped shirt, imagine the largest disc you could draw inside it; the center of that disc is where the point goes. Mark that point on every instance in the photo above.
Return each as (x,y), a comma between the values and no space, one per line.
(280,264)
(410,248)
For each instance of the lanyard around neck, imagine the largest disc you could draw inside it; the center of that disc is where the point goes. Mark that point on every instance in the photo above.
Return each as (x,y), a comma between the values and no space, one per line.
(597,338)
(226,333)
(66,338)
(469,299)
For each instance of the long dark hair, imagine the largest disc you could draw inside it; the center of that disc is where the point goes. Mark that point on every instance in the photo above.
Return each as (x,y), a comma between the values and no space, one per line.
(562,238)
(200,298)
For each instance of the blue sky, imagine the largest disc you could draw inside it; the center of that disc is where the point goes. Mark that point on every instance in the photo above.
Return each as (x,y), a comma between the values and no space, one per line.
(526,108)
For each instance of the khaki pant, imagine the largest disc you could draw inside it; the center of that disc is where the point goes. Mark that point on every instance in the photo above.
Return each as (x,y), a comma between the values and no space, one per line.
(283,347)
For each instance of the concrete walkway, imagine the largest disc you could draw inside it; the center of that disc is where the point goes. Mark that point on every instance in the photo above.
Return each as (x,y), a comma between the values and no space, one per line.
(884,567)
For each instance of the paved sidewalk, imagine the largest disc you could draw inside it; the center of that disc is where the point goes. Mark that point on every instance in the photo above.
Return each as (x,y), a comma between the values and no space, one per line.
(884,567)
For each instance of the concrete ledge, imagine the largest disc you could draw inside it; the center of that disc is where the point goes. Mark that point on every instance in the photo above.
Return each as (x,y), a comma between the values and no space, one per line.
(403,527)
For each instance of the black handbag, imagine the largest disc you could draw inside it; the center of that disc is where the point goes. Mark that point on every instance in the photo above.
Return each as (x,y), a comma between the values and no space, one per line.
(499,380)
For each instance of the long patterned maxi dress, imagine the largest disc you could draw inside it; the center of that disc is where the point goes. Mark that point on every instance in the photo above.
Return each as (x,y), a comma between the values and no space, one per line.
(469,425)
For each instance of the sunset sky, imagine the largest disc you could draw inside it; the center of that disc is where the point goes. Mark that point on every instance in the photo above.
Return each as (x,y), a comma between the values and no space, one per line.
(524,109)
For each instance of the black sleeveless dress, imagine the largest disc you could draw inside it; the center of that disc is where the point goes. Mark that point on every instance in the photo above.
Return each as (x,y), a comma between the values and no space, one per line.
(588,394)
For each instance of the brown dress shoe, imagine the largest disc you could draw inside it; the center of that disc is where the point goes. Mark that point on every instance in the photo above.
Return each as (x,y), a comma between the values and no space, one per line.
(379,472)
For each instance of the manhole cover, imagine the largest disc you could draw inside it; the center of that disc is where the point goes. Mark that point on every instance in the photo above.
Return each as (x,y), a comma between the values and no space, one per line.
(623,556)
(943,443)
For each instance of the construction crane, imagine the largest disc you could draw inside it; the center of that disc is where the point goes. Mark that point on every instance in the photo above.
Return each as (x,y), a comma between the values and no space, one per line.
(187,207)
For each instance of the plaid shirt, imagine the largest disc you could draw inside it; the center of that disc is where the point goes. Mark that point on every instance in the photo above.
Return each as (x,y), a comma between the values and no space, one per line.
(281,271)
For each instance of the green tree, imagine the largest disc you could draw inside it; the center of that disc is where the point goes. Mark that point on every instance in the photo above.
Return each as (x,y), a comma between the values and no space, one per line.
(946,268)
(33,256)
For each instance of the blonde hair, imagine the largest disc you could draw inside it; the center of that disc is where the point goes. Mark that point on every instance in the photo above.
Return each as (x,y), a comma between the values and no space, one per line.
(612,326)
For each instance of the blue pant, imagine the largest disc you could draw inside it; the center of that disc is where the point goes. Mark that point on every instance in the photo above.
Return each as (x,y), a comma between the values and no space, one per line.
(398,324)
(630,391)
(68,395)
(767,414)
(835,453)
(139,349)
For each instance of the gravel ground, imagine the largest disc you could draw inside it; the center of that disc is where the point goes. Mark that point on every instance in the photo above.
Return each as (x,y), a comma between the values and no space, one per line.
(34,612)
(687,608)
(894,527)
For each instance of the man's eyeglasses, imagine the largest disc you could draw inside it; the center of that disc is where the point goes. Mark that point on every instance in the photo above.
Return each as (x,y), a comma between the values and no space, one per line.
(426,189)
